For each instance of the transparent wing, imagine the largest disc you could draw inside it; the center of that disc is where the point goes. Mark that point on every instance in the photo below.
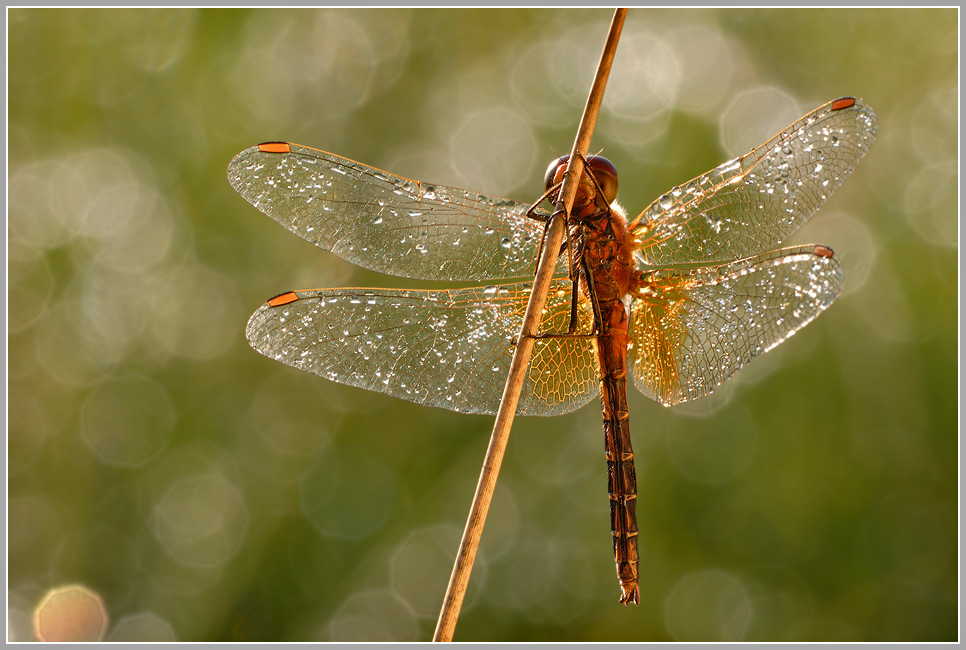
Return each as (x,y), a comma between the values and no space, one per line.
(750,204)
(449,349)
(387,223)
(700,326)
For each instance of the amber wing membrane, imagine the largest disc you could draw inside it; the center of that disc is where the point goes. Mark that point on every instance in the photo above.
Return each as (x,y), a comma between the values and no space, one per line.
(385,222)
(750,204)
(449,349)
(702,325)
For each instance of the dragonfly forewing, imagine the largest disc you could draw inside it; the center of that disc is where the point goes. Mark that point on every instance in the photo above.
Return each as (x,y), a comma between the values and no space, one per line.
(449,349)
(385,222)
(698,327)
(752,203)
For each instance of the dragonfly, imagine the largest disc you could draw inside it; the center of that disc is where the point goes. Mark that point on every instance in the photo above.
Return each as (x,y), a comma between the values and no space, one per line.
(679,298)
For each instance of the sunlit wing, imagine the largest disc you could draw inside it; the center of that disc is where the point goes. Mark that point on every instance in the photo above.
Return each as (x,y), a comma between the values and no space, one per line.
(750,204)
(384,222)
(449,349)
(702,325)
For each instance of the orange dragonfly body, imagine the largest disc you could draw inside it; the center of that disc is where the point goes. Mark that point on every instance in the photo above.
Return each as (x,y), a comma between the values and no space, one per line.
(680,298)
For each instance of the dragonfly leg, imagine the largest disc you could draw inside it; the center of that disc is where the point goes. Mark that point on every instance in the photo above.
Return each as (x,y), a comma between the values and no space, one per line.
(571,332)
(535,213)
(574,291)
(592,294)
(575,252)
(578,254)
(575,287)
(563,335)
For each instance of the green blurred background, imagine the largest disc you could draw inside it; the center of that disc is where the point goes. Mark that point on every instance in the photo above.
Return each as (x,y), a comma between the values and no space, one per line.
(206,493)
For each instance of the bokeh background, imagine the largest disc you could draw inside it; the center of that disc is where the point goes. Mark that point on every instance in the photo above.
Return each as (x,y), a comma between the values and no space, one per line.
(188,488)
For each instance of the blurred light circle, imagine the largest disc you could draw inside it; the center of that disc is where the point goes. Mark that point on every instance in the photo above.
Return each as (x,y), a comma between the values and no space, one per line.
(373,616)
(93,325)
(783,608)
(156,39)
(575,582)
(930,204)
(503,520)
(935,117)
(29,289)
(573,57)
(539,564)
(754,116)
(143,627)
(332,60)
(563,453)
(292,415)
(20,626)
(34,219)
(31,520)
(141,228)
(493,148)
(640,138)
(147,40)
(127,421)
(887,312)
(535,92)
(65,352)
(195,310)
(641,93)
(717,450)
(102,548)
(347,495)
(120,232)
(708,606)
(850,238)
(30,424)
(524,577)
(646,76)
(202,520)
(421,565)
(104,195)
(705,58)
(70,614)
(96,192)
(184,582)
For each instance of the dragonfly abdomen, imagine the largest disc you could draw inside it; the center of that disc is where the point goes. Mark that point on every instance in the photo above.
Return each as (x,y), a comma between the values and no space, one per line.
(621,478)
(605,251)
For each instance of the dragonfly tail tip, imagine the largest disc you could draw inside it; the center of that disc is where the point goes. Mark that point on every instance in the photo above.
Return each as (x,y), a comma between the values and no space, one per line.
(630,596)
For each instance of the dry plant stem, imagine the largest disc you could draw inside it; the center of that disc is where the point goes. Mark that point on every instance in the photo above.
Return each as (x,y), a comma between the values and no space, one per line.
(521,356)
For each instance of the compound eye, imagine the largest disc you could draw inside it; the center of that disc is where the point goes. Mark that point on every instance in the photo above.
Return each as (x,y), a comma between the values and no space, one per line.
(548,178)
(602,169)
(606,175)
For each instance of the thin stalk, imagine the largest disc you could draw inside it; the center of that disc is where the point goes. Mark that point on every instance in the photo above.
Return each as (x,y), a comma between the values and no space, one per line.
(460,577)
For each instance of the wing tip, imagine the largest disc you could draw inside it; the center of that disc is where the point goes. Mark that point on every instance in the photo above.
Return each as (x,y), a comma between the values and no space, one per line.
(821,250)
(842,103)
(283,299)
(275,147)
(253,331)
(857,105)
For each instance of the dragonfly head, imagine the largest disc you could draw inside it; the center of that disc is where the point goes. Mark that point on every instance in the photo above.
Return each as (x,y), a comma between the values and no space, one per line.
(602,169)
